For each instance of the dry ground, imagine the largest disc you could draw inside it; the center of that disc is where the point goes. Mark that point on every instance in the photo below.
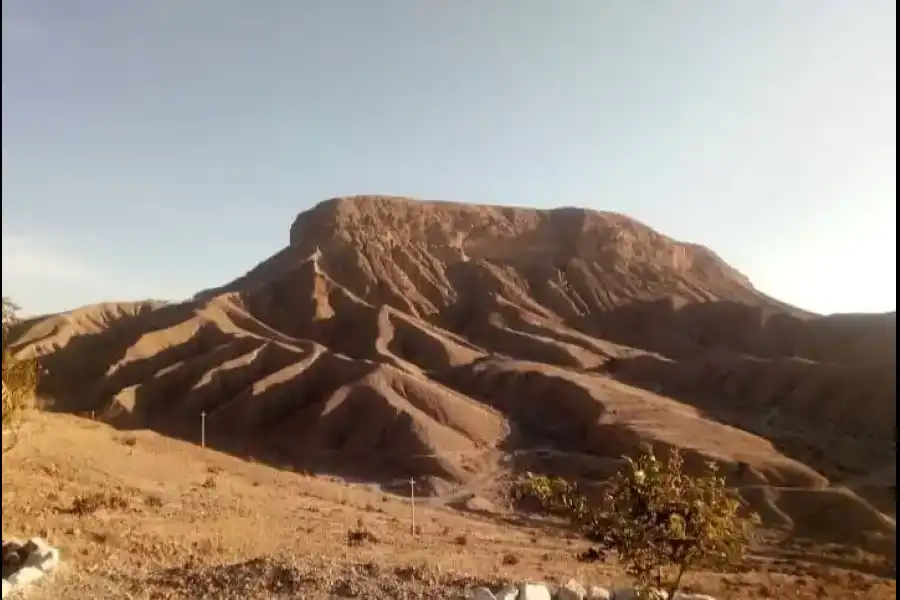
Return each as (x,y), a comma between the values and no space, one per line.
(138,515)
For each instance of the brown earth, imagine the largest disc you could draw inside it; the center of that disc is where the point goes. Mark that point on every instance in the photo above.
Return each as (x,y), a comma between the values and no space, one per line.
(462,344)
(142,516)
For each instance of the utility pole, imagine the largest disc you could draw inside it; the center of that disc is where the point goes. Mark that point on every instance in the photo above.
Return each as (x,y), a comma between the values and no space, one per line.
(412,505)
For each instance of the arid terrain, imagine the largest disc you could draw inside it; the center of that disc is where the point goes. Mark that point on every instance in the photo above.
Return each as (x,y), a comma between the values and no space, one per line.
(459,346)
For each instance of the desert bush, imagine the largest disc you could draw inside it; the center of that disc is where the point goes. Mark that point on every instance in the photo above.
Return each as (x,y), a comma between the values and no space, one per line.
(659,521)
(87,504)
(19,381)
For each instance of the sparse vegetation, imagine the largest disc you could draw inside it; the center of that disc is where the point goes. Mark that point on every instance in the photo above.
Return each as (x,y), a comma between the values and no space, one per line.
(88,504)
(360,535)
(659,521)
(154,501)
(19,381)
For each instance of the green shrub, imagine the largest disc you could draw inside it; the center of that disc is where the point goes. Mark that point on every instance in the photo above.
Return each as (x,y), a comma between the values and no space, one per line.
(660,522)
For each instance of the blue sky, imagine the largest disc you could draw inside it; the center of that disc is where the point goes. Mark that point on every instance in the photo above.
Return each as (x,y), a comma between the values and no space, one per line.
(152,149)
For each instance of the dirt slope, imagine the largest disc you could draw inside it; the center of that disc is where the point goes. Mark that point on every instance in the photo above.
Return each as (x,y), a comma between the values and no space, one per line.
(395,338)
(129,525)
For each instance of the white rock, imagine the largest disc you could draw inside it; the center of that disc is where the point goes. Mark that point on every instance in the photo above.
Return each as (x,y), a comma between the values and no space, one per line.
(631,594)
(7,589)
(572,590)
(46,563)
(510,592)
(483,593)
(684,596)
(595,592)
(37,546)
(41,555)
(25,576)
(534,591)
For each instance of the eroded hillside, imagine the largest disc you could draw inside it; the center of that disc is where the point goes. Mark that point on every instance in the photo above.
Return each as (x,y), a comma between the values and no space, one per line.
(460,343)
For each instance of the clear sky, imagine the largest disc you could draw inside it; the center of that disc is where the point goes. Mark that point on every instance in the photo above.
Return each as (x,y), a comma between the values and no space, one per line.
(155,148)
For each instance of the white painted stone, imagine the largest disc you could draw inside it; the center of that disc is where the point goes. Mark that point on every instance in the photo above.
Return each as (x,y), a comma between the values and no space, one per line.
(483,593)
(510,592)
(38,546)
(572,590)
(534,591)
(595,592)
(50,561)
(40,559)
(25,576)
(46,559)
(631,594)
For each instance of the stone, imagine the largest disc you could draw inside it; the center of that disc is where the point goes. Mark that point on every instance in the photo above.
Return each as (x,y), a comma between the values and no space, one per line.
(13,556)
(483,593)
(7,589)
(572,590)
(25,577)
(595,592)
(36,546)
(510,592)
(41,555)
(686,596)
(631,594)
(534,591)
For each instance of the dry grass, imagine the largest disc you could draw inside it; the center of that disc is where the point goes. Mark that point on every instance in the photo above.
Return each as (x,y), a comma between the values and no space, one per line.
(19,385)
(139,521)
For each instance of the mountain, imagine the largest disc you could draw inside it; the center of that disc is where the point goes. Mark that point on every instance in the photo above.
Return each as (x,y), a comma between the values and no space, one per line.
(461,344)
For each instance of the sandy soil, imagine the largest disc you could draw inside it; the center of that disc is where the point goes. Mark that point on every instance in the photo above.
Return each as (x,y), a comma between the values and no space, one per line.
(138,515)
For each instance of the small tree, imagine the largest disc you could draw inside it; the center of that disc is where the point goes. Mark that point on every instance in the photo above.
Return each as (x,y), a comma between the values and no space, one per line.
(19,381)
(659,521)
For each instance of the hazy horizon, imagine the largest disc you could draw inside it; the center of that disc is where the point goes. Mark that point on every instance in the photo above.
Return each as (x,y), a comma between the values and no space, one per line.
(152,150)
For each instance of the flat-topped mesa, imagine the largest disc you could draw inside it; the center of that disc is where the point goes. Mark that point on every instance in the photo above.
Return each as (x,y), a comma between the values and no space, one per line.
(455,231)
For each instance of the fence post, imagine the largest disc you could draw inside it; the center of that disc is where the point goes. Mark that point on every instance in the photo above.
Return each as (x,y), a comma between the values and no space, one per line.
(203,429)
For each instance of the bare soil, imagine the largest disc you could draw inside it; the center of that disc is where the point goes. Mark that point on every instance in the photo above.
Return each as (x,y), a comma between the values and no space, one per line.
(139,515)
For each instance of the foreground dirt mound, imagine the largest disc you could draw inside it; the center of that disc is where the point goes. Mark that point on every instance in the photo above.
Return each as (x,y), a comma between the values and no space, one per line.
(145,516)
(394,338)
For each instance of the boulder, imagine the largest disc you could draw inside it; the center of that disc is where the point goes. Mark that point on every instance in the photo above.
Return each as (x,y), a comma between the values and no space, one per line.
(595,592)
(572,590)
(24,564)
(632,594)
(534,591)
(510,592)
(483,593)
